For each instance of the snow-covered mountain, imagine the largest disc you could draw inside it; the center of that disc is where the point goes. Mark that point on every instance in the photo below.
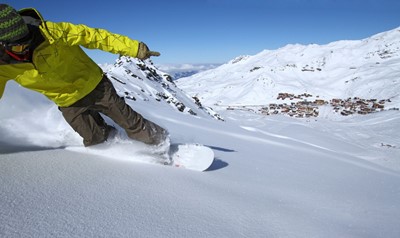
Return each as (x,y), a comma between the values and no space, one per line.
(139,80)
(360,69)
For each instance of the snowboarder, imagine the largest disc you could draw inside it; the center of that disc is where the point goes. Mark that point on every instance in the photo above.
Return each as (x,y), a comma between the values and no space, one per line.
(46,57)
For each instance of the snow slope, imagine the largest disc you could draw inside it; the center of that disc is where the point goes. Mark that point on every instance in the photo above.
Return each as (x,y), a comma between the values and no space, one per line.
(273,176)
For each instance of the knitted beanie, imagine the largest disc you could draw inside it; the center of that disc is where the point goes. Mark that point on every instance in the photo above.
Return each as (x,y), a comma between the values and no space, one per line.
(12,26)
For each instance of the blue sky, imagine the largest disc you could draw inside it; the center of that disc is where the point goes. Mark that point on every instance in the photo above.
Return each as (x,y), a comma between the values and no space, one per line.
(216,31)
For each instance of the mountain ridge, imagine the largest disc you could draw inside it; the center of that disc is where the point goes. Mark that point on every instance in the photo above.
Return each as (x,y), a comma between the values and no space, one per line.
(135,79)
(343,69)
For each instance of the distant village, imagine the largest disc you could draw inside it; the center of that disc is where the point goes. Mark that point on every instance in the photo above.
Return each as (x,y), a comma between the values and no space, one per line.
(301,107)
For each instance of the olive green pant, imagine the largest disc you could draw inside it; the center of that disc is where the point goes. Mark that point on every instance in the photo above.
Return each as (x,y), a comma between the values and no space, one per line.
(84,117)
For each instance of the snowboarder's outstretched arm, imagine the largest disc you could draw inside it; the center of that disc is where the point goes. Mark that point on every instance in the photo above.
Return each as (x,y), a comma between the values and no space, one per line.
(94,38)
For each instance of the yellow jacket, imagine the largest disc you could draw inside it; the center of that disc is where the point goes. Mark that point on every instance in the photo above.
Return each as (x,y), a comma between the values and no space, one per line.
(60,69)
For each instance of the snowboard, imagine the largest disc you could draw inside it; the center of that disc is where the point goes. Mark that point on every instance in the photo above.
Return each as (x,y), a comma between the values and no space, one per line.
(188,156)
(191,156)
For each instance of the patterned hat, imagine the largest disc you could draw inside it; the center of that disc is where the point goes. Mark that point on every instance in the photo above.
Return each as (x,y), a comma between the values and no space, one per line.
(12,26)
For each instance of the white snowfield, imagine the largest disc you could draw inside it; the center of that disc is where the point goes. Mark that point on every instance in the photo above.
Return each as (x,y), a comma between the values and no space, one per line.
(273,176)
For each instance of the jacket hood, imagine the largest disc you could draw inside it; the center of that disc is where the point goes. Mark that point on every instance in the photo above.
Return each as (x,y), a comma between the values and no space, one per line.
(31,16)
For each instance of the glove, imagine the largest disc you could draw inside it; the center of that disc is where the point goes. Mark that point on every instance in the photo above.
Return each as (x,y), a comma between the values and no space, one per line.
(144,52)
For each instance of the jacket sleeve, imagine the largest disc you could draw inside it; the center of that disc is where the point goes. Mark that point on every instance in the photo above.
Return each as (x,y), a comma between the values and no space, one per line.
(4,77)
(91,38)
(2,86)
